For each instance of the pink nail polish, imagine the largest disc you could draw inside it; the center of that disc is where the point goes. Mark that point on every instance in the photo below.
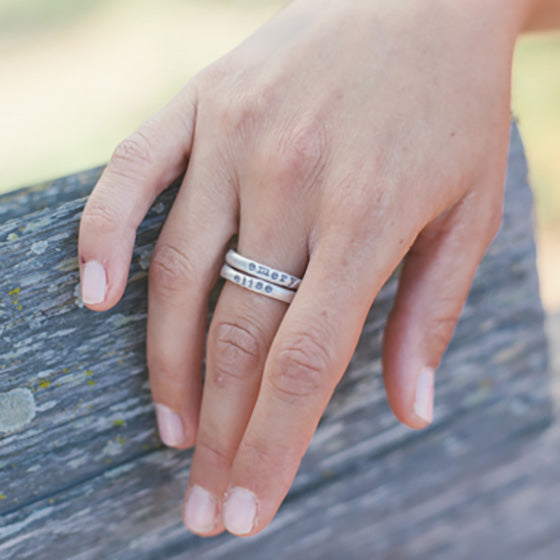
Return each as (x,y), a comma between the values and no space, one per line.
(240,511)
(94,283)
(199,514)
(424,401)
(170,426)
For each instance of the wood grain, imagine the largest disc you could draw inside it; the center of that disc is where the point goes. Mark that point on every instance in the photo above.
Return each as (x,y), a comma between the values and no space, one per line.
(83,475)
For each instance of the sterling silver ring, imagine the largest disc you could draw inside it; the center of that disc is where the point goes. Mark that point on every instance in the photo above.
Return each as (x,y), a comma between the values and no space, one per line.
(257,284)
(261,271)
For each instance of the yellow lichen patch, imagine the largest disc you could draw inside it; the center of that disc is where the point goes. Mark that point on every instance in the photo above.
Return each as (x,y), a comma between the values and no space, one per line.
(91,382)
(120,440)
(65,370)
(121,362)
(51,500)
(44,384)
(14,292)
(20,307)
(16,301)
(89,372)
(2,497)
(118,422)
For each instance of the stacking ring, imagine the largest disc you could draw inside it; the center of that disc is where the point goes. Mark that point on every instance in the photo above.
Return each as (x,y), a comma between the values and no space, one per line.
(256,284)
(262,271)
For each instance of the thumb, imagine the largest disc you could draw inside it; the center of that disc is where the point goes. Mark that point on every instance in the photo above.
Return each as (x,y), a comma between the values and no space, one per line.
(433,287)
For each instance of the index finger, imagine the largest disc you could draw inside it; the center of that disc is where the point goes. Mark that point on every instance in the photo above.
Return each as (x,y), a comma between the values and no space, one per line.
(141,167)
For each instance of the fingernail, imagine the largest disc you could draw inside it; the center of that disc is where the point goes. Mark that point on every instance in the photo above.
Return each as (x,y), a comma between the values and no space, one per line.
(424,402)
(94,283)
(170,426)
(200,510)
(240,511)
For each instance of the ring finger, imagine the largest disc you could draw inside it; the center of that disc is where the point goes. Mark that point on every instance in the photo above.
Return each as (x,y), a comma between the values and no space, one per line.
(241,333)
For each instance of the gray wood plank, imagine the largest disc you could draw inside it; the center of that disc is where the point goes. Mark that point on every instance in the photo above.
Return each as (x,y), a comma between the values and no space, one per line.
(82,473)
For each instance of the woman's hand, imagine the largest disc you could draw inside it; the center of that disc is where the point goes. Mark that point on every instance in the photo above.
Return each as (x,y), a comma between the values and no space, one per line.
(337,139)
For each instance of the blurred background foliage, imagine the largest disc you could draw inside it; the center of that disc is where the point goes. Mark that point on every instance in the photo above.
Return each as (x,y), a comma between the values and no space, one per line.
(79,75)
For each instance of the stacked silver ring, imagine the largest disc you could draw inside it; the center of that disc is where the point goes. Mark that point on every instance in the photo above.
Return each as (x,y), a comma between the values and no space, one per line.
(259,278)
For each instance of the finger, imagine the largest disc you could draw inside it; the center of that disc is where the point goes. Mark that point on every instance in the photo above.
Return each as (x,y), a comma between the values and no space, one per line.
(433,287)
(184,267)
(307,359)
(242,330)
(141,167)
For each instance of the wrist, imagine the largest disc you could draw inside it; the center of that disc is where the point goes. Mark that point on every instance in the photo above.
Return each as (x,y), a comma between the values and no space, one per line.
(513,15)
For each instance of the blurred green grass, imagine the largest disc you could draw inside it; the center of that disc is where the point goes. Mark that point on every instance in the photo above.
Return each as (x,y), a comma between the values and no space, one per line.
(30,16)
(536,104)
(79,75)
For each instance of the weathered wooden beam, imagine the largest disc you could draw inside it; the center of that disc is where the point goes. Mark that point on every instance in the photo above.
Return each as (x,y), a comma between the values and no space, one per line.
(82,472)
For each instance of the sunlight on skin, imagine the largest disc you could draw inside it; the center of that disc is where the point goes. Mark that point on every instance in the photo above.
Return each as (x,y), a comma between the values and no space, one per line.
(76,90)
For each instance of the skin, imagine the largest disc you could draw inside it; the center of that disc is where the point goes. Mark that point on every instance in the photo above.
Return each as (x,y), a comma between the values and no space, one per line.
(339,139)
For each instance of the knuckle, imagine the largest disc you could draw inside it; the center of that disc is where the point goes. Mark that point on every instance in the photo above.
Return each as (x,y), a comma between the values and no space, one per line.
(280,459)
(302,157)
(218,457)
(236,351)
(356,198)
(100,218)
(244,114)
(171,270)
(164,370)
(134,150)
(301,368)
(441,330)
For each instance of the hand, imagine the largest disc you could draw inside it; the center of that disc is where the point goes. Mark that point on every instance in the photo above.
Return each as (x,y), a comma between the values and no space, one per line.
(339,138)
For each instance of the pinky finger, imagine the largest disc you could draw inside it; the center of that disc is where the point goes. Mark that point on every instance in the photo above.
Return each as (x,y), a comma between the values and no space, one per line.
(433,287)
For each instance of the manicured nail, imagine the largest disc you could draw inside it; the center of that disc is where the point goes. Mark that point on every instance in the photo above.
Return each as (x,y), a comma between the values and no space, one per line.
(200,510)
(240,511)
(94,283)
(170,426)
(424,402)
